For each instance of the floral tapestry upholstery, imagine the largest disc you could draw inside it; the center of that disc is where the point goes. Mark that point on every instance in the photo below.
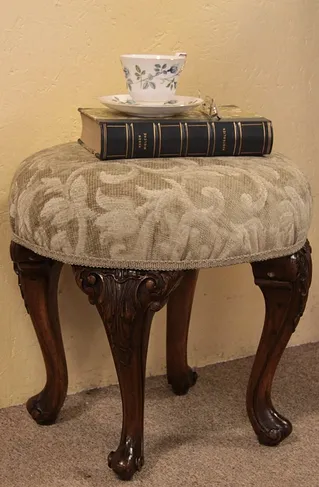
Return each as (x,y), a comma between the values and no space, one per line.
(178,213)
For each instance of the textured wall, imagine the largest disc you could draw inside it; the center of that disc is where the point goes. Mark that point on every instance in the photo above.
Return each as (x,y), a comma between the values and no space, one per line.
(61,54)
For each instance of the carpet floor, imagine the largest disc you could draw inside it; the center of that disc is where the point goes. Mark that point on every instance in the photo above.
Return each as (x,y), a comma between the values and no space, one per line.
(202,439)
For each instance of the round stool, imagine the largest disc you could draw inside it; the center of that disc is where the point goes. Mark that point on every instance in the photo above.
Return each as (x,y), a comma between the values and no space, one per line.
(136,233)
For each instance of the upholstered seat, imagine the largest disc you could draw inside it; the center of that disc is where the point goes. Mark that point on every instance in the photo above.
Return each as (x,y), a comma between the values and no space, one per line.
(158,213)
(136,232)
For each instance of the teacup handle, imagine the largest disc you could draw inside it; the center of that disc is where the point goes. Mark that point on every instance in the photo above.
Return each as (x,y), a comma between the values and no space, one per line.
(181,54)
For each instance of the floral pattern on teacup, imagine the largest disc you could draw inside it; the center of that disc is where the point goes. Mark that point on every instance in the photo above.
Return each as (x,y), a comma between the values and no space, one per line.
(148,80)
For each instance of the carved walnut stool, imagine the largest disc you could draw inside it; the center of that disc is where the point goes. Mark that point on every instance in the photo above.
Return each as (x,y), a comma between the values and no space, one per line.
(136,233)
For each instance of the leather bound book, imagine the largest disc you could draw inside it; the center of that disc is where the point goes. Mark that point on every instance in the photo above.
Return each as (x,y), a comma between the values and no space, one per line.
(109,135)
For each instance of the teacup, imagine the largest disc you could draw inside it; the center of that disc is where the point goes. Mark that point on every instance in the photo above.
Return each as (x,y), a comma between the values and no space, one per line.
(152,78)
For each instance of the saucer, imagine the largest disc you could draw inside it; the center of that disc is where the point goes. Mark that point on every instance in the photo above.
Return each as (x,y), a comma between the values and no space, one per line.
(175,106)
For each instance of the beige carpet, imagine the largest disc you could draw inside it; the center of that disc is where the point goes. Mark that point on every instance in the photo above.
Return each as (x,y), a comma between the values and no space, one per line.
(202,439)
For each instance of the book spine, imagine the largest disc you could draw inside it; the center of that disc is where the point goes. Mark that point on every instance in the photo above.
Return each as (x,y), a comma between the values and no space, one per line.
(152,139)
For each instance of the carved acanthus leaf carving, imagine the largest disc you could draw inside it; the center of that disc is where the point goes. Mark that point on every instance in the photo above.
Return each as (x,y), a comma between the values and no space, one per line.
(122,295)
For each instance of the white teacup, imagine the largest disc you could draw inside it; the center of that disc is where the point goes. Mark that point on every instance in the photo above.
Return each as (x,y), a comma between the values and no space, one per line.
(152,78)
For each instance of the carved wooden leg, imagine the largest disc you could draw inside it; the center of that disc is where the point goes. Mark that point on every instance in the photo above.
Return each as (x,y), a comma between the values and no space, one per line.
(38,281)
(126,301)
(179,307)
(284,283)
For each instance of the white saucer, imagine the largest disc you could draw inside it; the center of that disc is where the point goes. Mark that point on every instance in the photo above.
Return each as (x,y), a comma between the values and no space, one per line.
(125,104)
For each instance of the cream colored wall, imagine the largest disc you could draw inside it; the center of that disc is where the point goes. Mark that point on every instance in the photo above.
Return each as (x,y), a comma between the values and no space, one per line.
(61,54)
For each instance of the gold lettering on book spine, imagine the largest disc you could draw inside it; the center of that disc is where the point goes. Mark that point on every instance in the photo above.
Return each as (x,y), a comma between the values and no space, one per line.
(224,140)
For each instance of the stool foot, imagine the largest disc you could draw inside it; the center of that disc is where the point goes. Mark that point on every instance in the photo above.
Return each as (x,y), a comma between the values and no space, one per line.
(179,375)
(182,384)
(40,408)
(126,460)
(127,301)
(284,283)
(38,281)
(274,428)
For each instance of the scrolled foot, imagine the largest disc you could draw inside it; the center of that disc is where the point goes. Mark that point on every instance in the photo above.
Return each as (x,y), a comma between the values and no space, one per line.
(182,384)
(274,430)
(126,460)
(37,408)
